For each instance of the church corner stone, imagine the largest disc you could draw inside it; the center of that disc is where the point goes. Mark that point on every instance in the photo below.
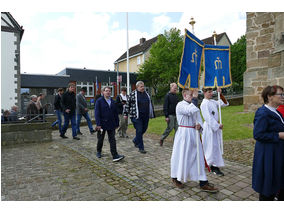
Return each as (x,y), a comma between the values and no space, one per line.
(265,51)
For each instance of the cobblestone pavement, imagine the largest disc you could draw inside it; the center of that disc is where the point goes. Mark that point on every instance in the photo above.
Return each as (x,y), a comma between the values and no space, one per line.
(68,170)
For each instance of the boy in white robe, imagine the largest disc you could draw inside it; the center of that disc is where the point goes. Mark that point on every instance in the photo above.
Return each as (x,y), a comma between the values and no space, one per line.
(212,130)
(184,164)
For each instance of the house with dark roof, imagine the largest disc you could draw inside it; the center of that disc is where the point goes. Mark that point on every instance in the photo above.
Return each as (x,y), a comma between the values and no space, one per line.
(222,39)
(140,52)
(137,55)
(11,36)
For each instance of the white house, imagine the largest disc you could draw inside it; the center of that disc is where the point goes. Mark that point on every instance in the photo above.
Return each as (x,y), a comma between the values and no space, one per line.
(11,35)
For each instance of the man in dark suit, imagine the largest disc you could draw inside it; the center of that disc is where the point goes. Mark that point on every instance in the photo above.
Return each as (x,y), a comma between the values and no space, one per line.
(68,101)
(106,116)
(82,110)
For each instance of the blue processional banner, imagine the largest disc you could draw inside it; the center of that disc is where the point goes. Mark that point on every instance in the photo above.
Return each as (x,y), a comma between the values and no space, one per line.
(190,65)
(217,66)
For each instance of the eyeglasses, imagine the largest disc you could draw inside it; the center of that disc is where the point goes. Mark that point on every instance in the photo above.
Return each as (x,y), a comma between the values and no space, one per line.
(280,94)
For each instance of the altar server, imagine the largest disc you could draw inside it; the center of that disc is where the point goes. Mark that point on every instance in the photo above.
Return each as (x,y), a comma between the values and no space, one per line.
(187,153)
(212,130)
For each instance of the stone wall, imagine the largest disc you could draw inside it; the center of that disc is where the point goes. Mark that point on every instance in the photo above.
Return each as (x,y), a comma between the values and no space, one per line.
(265,56)
(25,133)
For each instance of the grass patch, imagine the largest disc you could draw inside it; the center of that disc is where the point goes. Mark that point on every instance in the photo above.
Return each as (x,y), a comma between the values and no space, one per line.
(237,124)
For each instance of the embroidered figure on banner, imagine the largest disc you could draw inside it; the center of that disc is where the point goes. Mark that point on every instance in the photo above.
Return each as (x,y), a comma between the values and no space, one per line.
(218,64)
(194,56)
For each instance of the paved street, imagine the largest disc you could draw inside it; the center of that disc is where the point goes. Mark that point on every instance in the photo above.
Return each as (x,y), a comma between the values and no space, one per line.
(68,170)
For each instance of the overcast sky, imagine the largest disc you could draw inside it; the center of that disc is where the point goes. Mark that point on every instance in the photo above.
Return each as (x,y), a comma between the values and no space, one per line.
(53,41)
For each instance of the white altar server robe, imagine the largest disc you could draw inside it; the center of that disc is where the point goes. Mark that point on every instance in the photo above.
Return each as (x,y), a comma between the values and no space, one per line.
(211,137)
(184,155)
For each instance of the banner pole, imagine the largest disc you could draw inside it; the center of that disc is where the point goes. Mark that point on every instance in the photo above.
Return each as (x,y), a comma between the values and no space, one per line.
(192,22)
(219,103)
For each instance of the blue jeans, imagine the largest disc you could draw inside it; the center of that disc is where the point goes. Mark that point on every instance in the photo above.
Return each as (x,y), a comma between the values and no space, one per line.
(67,117)
(141,125)
(89,122)
(58,121)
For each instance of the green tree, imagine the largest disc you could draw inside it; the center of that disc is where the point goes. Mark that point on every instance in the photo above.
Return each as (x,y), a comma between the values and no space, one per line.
(162,66)
(238,62)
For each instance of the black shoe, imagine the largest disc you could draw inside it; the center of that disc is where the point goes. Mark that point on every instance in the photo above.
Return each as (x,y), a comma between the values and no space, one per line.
(63,136)
(142,151)
(135,144)
(118,158)
(161,142)
(92,131)
(216,171)
(99,154)
(76,138)
(79,133)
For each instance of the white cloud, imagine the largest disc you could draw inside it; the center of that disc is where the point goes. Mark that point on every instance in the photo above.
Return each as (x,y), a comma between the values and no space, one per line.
(232,23)
(161,23)
(91,40)
(115,25)
(81,40)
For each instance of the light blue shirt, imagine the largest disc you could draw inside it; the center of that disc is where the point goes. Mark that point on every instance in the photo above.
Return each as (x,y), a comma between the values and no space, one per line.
(108,101)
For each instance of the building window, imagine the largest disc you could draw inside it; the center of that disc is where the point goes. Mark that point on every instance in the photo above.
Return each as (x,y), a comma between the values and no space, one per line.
(138,60)
(88,85)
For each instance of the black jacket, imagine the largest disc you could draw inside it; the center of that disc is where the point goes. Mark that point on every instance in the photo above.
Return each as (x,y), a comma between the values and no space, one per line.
(68,101)
(170,103)
(119,103)
(57,102)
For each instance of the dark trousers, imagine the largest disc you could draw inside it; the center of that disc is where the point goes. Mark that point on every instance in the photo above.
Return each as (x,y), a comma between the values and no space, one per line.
(141,125)
(111,139)
(67,118)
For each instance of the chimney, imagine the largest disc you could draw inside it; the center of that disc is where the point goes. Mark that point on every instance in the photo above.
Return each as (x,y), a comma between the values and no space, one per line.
(142,40)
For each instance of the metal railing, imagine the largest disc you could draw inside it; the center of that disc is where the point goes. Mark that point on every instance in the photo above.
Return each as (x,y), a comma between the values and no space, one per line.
(24,118)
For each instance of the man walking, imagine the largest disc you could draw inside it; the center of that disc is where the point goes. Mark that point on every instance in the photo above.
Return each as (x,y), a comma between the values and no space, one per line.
(32,110)
(140,108)
(58,109)
(170,103)
(121,100)
(107,121)
(82,110)
(69,111)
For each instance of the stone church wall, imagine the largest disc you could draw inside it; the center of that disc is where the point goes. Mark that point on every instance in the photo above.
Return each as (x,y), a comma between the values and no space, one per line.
(265,56)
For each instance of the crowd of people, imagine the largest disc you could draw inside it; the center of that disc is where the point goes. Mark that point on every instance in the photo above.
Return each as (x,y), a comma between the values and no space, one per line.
(198,143)
(9,115)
